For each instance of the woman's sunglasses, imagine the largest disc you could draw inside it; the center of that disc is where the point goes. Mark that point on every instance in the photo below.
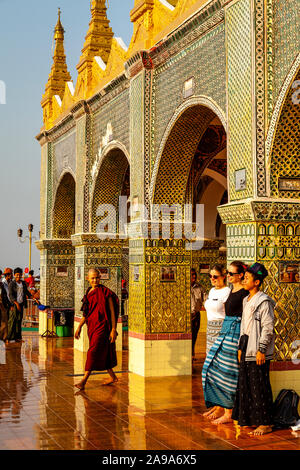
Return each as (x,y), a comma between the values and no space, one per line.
(214,276)
(231,274)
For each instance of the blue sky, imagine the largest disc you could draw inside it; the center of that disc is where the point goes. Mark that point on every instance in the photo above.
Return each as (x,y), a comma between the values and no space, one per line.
(26,36)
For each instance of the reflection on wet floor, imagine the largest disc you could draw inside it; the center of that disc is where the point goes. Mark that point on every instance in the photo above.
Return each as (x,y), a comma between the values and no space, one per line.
(41,409)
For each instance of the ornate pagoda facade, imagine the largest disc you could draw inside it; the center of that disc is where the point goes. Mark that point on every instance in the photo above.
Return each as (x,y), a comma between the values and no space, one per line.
(201,108)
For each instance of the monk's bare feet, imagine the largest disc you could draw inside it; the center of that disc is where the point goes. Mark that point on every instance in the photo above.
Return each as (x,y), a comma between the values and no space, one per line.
(216,414)
(261,430)
(80,386)
(207,413)
(110,381)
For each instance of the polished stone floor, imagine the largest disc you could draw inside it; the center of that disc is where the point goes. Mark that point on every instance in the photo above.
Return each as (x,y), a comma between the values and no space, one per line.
(40,408)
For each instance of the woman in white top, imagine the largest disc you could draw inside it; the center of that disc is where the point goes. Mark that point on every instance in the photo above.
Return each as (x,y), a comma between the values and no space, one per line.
(215,311)
(215,304)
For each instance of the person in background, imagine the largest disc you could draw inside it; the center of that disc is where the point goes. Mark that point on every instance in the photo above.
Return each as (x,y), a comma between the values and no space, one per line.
(254,400)
(8,275)
(18,294)
(30,281)
(197,299)
(6,304)
(3,316)
(220,370)
(124,296)
(215,311)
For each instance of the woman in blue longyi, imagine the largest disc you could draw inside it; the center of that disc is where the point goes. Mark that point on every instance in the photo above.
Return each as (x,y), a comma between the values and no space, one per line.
(220,370)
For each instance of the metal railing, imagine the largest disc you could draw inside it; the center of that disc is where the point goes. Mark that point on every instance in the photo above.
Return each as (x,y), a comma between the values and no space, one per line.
(31,315)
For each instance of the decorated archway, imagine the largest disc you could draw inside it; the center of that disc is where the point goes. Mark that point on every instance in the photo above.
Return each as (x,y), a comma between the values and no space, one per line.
(64,208)
(112,181)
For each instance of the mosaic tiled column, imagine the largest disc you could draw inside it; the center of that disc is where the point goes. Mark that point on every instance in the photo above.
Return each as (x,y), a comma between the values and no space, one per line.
(83,144)
(45,146)
(269,232)
(159,308)
(57,274)
(91,252)
(241,99)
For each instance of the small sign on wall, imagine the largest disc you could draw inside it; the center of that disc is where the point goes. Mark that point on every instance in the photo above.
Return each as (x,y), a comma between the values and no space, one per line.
(104,274)
(240,179)
(189,87)
(136,273)
(62,271)
(289,184)
(204,268)
(168,273)
(289,272)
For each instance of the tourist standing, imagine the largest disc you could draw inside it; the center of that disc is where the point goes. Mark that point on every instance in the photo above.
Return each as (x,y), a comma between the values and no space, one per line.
(8,275)
(197,299)
(18,294)
(215,311)
(215,304)
(254,401)
(3,316)
(6,304)
(99,314)
(124,297)
(220,370)
(30,281)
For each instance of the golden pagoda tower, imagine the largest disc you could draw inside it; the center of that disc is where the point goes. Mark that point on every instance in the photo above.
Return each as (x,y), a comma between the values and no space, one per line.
(98,42)
(59,74)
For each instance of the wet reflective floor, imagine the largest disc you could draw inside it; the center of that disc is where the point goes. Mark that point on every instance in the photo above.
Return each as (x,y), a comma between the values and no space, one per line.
(41,410)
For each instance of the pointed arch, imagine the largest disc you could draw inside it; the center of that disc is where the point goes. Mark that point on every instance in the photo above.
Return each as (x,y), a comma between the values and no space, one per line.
(63,216)
(178,147)
(111,180)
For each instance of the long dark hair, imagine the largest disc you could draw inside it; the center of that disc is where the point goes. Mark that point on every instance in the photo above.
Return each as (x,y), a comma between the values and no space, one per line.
(240,266)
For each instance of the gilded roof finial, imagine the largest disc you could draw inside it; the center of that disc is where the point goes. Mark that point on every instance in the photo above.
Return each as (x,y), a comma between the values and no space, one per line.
(59,74)
(99,36)
(98,43)
(59,30)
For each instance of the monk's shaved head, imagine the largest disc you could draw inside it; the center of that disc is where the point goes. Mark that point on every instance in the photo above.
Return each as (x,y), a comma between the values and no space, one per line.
(93,271)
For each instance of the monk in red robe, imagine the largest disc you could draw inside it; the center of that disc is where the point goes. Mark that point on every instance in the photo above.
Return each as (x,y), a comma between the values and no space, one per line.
(99,316)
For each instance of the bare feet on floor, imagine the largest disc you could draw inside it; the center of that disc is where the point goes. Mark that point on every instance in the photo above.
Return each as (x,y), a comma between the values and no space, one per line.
(223,420)
(110,381)
(80,385)
(216,414)
(207,413)
(261,430)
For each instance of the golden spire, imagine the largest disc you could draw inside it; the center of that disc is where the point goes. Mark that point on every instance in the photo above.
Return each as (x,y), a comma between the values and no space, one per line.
(59,74)
(99,36)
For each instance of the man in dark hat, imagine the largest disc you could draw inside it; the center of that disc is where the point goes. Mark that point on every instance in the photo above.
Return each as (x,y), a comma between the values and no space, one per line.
(254,400)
